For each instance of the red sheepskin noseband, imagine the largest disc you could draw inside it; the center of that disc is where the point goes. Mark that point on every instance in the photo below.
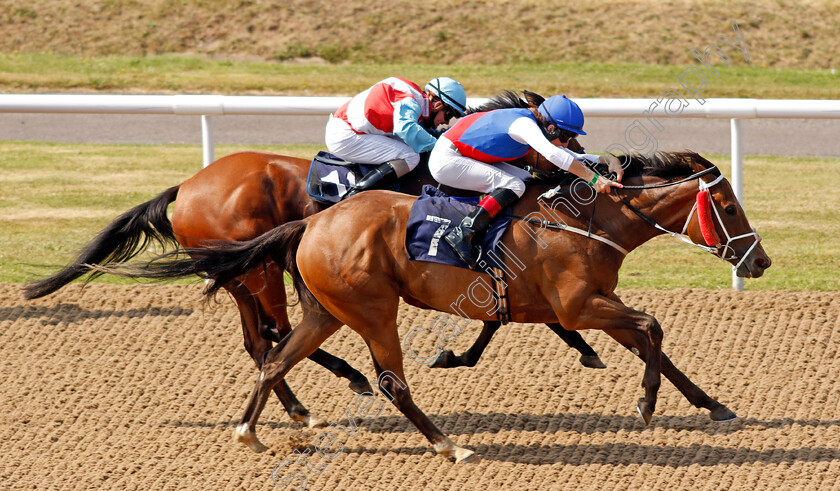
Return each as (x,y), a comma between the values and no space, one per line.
(704,217)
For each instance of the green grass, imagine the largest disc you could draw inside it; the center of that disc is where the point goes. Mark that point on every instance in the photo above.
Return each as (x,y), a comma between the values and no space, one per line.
(56,197)
(195,74)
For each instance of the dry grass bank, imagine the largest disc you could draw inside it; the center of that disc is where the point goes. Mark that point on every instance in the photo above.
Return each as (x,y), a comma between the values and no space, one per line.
(778,34)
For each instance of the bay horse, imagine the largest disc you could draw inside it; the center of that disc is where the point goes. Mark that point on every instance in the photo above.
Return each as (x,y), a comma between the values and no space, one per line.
(350,267)
(237,198)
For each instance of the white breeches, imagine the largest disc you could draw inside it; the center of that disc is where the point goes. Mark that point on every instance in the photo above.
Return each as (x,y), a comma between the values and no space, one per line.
(449,167)
(344,143)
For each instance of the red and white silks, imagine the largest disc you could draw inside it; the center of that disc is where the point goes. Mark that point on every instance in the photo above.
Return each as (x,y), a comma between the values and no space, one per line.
(372,111)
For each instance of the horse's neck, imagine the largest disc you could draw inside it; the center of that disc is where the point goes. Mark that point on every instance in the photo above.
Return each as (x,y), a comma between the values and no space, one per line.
(668,207)
(413,182)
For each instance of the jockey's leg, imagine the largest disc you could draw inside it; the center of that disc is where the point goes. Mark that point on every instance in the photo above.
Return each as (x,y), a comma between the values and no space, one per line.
(392,155)
(461,237)
(502,186)
(384,175)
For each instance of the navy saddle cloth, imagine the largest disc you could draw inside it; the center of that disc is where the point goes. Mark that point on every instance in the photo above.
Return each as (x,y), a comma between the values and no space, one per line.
(330,177)
(433,215)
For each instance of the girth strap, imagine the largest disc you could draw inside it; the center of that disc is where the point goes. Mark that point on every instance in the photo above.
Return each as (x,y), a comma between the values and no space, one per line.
(501,295)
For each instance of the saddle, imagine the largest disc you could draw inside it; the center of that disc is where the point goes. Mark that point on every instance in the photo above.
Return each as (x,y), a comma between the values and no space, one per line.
(330,178)
(433,215)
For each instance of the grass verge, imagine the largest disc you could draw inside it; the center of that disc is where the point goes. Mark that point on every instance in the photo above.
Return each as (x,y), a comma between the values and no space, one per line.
(194,74)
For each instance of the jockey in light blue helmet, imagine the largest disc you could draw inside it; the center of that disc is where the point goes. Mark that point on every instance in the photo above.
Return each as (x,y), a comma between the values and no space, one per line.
(450,92)
(563,113)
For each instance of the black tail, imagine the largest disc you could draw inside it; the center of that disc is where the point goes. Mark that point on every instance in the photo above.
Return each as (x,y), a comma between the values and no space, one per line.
(222,261)
(124,238)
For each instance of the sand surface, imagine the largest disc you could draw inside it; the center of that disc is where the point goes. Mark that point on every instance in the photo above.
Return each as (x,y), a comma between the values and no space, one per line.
(139,387)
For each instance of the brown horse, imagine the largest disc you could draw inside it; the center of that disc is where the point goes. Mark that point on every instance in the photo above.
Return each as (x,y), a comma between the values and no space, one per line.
(238,197)
(350,266)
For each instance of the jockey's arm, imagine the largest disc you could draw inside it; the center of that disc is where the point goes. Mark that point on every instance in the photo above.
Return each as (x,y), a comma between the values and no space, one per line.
(406,126)
(526,130)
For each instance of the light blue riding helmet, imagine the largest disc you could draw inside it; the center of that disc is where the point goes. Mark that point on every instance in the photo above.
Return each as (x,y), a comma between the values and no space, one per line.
(562,112)
(450,92)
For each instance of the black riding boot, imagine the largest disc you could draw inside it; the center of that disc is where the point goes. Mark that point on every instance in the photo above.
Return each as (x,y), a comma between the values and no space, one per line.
(382,176)
(460,238)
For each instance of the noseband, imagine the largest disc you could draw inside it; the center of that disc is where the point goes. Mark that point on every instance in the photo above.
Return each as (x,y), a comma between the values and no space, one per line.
(704,204)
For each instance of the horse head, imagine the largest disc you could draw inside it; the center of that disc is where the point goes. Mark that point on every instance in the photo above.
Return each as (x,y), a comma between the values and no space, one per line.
(719,221)
(697,201)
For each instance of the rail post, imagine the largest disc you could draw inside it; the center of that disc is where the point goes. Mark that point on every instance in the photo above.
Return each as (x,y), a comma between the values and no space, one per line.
(207,143)
(737,181)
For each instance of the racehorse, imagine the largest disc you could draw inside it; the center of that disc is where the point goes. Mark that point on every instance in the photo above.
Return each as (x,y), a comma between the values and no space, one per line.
(350,267)
(236,198)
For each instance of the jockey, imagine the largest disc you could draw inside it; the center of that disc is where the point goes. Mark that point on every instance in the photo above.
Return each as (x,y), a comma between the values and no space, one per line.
(388,123)
(472,153)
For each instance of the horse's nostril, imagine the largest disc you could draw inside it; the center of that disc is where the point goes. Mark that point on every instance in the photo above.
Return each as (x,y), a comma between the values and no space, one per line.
(762,263)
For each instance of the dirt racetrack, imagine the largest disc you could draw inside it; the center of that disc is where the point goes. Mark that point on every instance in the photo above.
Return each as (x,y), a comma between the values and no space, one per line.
(139,387)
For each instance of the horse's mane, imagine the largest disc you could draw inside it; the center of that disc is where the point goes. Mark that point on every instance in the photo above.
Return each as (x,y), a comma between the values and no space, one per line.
(504,100)
(666,165)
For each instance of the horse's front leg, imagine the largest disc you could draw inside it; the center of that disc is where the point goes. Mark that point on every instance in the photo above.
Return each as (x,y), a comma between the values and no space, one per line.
(637,331)
(447,359)
(694,394)
(588,357)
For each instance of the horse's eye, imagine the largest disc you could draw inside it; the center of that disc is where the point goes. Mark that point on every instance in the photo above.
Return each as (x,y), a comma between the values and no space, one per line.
(730,210)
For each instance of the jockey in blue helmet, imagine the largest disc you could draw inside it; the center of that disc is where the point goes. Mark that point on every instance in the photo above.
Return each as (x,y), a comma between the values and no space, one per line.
(472,154)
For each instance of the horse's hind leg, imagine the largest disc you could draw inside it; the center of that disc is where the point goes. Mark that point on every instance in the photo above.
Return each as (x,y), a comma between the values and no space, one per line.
(257,346)
(301,342)
(272,302)
(384,345)
(588,357)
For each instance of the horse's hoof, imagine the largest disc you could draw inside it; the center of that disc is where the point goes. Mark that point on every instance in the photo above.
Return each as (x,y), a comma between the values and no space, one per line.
(242,434)
(361,386)
(309,420)
(644,411)
(464,455)
(722,413)
(592,361)
(449,449)
(316,422)
(443,360)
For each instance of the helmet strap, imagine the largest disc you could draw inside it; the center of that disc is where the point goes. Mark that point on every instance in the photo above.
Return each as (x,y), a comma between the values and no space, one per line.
(551,135)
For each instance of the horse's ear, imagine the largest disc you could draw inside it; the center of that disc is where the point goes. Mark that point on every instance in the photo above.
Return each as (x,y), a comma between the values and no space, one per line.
(532,98)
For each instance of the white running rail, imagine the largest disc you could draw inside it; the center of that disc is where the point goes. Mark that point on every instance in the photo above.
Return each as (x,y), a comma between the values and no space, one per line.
(208,106)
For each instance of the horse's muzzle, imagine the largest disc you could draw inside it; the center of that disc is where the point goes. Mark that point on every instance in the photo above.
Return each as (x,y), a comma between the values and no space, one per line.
(754,267)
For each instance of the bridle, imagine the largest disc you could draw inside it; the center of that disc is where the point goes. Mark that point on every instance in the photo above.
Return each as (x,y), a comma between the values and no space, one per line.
(704,205)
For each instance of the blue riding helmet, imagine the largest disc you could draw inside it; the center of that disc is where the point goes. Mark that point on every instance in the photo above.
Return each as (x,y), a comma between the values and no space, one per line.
(450,92)
(562,112)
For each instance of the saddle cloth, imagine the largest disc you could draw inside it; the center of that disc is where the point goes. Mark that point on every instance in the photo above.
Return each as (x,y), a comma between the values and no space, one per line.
(330,177)
(433,215)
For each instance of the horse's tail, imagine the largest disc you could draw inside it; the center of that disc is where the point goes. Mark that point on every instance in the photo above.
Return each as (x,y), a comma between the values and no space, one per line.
(127,236)
(222,261)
